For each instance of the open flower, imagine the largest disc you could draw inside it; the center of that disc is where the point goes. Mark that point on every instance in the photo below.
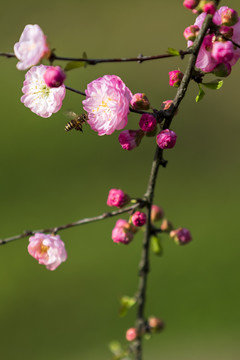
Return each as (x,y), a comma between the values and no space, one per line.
(38,97)
(47,249)
(31,48)
(107,104)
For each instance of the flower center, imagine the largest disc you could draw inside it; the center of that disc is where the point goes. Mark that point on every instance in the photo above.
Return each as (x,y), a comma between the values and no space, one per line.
(43,249)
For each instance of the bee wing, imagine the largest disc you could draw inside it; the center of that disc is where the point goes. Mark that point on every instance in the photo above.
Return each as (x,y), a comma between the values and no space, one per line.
(70,114)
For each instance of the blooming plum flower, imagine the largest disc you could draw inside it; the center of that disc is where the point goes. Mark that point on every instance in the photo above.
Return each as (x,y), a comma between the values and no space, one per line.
(31,48)
(129,139)
(175,78)
(140,102)
(131,334)
(107,104)
(166,139)
(118,198)
(54,76)
(147,122)
(222,51)
(181,236)
(123,232)
(47,249)
(38,97)
(139,218)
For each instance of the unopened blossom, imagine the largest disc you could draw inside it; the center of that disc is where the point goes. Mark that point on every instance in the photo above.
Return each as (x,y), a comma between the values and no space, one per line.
(157,213)
(117,197)
(147,122)
(129,139)
(38,97)
(155,324)
(222,70)
(191,4)
(175,78)
(31,48)
(131,334)
(139,218)
(166,139)
(123,232)
(140,101)
(181,236)
(229,17)
(47,249)
(54,76)
(166,226)
(223,51)
(209,7)
(107,104)
(191,32)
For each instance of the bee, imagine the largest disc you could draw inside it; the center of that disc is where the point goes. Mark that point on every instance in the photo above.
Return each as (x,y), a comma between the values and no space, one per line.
(76,122)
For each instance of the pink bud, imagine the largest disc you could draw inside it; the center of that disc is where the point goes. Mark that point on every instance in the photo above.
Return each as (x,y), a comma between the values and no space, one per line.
(139,218)
(123,232)
(131,334)
(140,102)
(54,76)
(181,236)
(222,70)
(157,213)
(166,226)
(229,17)
(190,4)
(223,51)
(175,78)
(191,32)
(117,197)
(129,139)
(166,139)
(155,323)
(209,8)
(166,105)
(147,122)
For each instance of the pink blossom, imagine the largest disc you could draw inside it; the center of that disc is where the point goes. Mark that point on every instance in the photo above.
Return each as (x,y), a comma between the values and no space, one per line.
(139,218)
(38,97)
(117,197)
(129,139)
(131,334)
(123,232)
(181,236)
(157,213)
(191,32)
(222,51)
(140,102)
(107,104)
(31,48)
(147,122)
(48,250)
(54,76)
(175,78)
(166,139)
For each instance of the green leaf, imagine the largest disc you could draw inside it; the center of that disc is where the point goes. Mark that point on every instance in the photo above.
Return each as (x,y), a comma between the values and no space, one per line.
(74,65)
(172,51)
(126,303)
(214,85)
(200,94)
(155,245)
(115,348)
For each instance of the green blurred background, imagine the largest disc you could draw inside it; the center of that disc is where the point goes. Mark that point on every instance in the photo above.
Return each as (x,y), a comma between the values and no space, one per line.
(50,177)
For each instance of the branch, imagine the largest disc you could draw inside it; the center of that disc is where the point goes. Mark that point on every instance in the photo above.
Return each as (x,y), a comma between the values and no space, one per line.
(139,204)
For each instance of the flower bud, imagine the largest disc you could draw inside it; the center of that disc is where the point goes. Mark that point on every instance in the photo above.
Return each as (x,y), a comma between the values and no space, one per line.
(123,232)
(191,32)
(166,139)
(209,7)
(155,324)
(175,78)
(229,17)
(223,51)
(147,122)
(157,213)
(54,76)
(139,218)
(131,334)
(166,105)
(118,198)
(190,4)
(140,102)
(166,226)
(222,70)
(181,236)
(129,139)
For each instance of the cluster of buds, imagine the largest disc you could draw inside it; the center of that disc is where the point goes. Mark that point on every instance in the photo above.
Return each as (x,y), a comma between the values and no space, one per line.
(153,325)
(198,6)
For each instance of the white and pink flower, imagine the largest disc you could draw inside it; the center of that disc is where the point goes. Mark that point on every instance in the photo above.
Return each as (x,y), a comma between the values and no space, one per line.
(47,249)
(107,104)
(38,97)
(31,48)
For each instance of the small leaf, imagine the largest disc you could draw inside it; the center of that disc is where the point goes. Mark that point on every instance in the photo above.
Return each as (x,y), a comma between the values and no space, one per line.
(115,347)
(200,94)
(74,65)
(126,303)
(155,245)
(172,51)
(214,85)
(147,336)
